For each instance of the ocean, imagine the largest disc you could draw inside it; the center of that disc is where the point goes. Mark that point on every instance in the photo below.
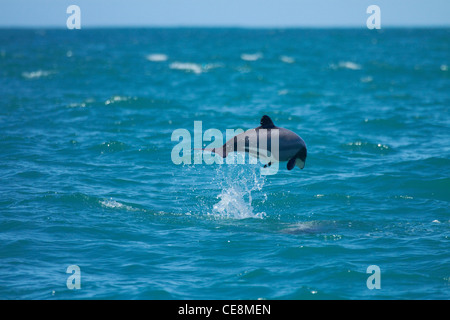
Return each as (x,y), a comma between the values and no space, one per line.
(92,205)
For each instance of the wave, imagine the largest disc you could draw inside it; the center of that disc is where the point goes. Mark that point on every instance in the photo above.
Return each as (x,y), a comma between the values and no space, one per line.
(186,66)
(116,99)
(210,66)
(366,79)
(251,56)
(83,104)
(194,67)
(157,57)
(346,65)
(112,204)
(110,147)
(364,146)
(36,74)
(287,59)
(313,227)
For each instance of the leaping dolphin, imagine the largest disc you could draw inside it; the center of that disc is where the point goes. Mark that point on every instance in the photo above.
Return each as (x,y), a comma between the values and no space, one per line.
(291,147)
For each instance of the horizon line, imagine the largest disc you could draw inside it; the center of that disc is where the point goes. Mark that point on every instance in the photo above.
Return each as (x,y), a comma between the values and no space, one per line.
(194,26)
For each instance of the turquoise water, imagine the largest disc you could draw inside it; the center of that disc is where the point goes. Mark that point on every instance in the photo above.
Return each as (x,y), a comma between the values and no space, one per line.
(87,179)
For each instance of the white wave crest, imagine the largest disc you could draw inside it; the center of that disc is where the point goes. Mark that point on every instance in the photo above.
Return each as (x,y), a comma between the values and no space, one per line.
(116,205)
(116,99)
(287,59)
(346,65)
(157,57)
(36,74)
(186,66)
(251,56)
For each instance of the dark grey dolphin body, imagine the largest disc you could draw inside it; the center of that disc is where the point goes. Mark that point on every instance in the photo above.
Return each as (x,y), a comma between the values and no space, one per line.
(291,147)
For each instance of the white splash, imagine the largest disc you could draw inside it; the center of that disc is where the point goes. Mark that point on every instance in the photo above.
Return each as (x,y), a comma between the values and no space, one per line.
(157,57)
(239,183)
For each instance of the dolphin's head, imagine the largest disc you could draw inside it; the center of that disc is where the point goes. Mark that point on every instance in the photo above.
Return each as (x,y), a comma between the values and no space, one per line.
(298,160)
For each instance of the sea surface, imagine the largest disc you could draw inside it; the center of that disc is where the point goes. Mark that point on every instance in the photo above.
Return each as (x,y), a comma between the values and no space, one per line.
(87,178)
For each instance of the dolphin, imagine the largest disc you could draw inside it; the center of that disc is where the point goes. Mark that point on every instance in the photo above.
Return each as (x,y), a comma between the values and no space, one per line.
(291,147)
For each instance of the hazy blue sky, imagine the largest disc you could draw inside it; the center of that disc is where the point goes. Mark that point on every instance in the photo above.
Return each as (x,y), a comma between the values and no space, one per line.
(246,13)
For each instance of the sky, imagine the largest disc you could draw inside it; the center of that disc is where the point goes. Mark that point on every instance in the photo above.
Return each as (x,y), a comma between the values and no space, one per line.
(232,13)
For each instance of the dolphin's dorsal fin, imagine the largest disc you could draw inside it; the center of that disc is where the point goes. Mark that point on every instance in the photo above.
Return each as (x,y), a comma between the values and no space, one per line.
(266,122)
